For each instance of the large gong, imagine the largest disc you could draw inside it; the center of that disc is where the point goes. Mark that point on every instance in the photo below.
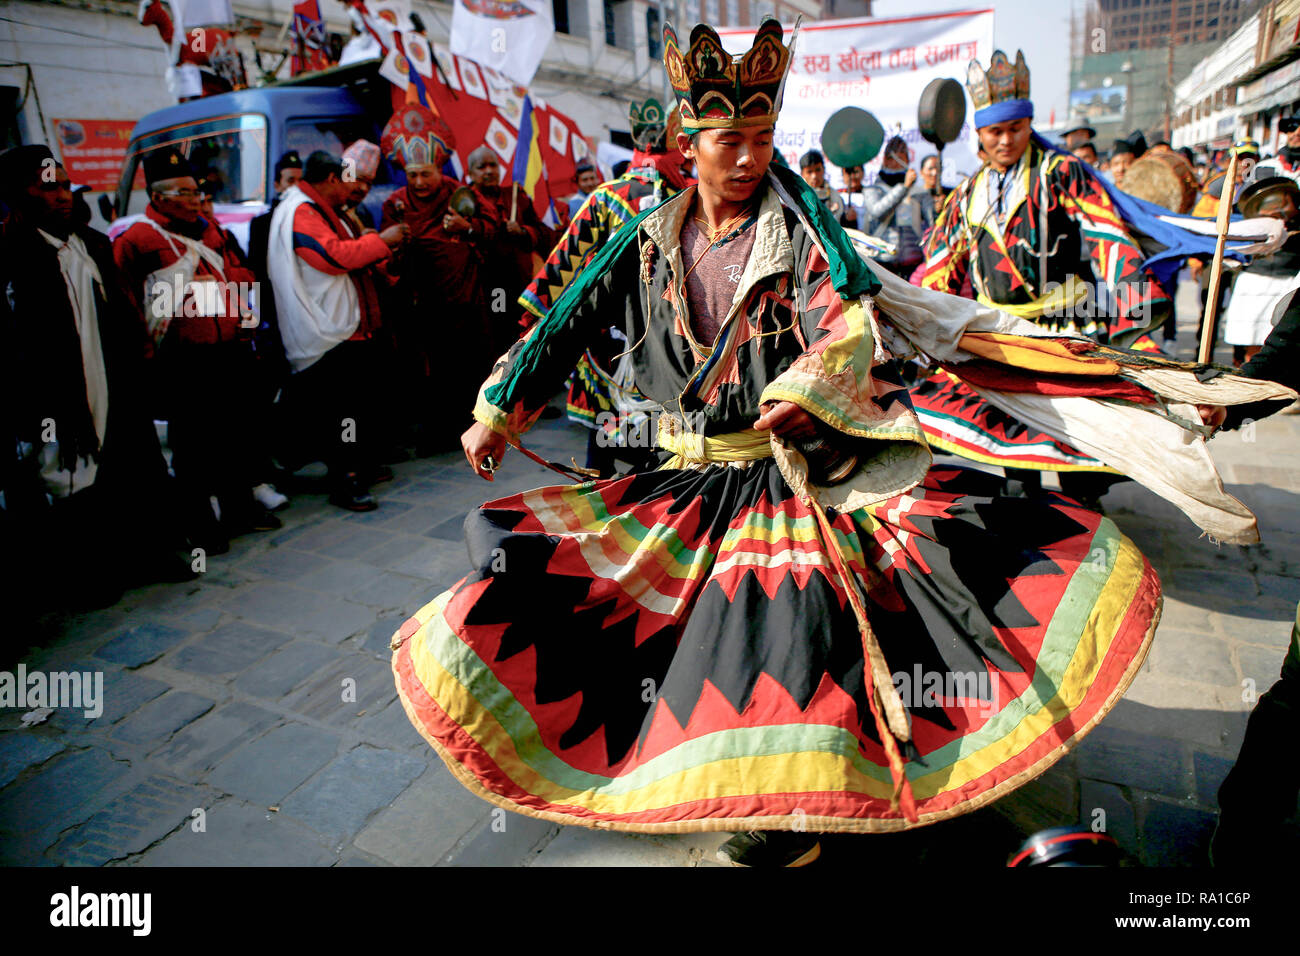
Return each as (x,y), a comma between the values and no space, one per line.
(852,137)
(941,112)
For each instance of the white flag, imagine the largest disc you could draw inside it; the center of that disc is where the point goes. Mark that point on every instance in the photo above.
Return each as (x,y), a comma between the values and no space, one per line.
(187,14)
(508,35)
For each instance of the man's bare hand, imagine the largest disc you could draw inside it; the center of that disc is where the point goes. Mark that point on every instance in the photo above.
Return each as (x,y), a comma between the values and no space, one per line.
(395,235)
(479,443)
(455,222)
(514,228)
(786,419)
(1212,415)
(909,178)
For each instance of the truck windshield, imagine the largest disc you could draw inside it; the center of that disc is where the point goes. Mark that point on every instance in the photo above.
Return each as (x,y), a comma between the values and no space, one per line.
(227,150)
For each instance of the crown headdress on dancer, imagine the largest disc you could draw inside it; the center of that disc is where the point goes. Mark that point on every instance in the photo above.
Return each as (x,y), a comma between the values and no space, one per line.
(415,137)
(653,130)
(649,122)
(715,90)
(1002,92)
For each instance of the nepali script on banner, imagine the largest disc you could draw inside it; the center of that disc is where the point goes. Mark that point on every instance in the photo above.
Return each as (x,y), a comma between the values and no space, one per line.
(881,66)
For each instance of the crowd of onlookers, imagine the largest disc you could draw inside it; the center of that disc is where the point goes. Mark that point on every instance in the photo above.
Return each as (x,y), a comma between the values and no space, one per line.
(327,337)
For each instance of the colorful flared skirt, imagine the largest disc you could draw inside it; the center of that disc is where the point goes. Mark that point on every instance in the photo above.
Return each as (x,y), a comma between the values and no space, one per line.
(957,421)
(672,651)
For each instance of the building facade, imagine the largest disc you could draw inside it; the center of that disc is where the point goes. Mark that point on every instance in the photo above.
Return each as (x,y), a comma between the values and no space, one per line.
(1243,88)
(1127,54)
(1271,90)
(1205,101)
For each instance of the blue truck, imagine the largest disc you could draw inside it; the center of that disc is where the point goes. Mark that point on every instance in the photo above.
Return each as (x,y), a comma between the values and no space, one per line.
(240,135)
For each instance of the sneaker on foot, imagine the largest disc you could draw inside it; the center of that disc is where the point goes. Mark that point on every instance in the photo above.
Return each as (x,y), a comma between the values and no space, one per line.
(269,498)
(771,848)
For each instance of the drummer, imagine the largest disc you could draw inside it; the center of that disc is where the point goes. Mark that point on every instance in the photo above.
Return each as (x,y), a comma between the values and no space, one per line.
(1269,280)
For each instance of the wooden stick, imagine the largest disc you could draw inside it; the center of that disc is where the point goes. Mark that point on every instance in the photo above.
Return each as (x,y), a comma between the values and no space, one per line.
(514,200)
(1226,196)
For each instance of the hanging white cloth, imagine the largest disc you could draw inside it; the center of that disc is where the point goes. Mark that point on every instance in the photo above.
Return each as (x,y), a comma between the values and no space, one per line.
(80,276)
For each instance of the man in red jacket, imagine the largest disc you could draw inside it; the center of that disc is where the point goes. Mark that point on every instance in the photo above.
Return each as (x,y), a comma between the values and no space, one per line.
(440,276)
(519,234)
(327,299)
(192,292)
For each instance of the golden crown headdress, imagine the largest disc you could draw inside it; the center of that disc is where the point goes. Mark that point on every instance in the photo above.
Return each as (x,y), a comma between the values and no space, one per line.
(1002,92)
(715,90)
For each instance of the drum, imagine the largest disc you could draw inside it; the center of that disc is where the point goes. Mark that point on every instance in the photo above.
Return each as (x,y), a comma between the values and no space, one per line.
(1164,178)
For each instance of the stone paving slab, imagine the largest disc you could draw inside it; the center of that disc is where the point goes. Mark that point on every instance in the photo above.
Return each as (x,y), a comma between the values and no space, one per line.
(273,766)
(348,689)
(579,846)
(423,824)
(141,644)
(240,834)
(229,649)
(74,783)
(131,823)
(337,803)
(286,669)
(19,751)
(201,745)
(161,718)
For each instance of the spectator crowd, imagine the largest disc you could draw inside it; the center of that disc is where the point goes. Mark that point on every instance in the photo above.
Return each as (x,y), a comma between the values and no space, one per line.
(327,340)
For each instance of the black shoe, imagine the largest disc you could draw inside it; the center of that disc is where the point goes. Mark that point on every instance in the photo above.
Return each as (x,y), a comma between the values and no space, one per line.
(550,411)
(256,518)
(353,496)
(770,848)
(262,520)
(379,474)
(166,568)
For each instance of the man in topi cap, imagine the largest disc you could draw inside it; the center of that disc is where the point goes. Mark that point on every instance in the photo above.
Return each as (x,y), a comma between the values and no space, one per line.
(193,294)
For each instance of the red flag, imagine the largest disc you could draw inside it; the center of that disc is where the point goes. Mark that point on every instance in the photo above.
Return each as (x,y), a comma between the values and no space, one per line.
(468,107)
(308,38)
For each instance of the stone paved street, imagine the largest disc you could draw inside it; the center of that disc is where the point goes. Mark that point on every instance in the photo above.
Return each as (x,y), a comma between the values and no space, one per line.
(250,717)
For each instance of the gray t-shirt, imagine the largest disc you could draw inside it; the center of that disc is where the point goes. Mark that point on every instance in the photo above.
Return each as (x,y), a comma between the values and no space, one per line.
(711,285)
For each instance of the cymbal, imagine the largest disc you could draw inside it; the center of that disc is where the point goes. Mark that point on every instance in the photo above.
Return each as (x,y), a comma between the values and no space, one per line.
(462,202)
(852,137)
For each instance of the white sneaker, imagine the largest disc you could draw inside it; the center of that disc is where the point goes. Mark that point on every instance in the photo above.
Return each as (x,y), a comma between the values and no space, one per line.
(269,498)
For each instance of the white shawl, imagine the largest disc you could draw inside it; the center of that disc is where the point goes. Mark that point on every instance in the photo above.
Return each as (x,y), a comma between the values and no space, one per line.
(81,276)
(316,311)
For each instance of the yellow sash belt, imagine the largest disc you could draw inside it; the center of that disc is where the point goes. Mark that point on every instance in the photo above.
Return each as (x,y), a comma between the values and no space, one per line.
(687,447)
(1059,302)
